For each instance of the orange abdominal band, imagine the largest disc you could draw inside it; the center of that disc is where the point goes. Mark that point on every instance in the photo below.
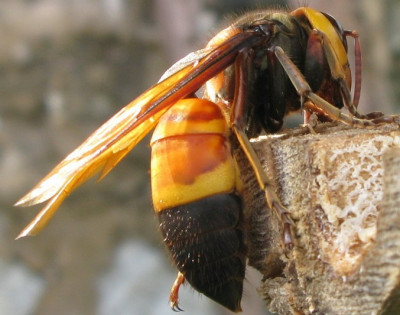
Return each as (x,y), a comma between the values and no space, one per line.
(191,155)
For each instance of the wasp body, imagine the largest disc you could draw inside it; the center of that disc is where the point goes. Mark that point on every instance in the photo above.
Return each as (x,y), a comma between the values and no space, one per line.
(264,66)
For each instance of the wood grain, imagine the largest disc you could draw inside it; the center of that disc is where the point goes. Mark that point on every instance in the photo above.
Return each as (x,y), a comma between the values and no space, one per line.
(342,262)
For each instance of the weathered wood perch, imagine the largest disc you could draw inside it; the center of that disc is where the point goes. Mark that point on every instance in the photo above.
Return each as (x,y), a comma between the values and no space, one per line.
(342,188)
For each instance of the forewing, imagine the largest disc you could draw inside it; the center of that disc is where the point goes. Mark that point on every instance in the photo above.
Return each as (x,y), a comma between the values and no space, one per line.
(114,139)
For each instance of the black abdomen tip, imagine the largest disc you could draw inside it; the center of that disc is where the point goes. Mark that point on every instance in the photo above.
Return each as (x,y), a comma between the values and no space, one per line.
(206,243)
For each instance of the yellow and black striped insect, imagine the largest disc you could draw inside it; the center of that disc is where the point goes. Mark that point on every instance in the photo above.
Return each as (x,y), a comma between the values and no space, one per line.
(265,65)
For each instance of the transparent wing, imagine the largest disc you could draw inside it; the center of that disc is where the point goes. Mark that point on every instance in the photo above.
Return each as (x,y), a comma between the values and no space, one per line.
(105,148)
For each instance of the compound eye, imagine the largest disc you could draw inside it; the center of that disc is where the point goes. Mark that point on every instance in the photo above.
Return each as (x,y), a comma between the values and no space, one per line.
(338,27)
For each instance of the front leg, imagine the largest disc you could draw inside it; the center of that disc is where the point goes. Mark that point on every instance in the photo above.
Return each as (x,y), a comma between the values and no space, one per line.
(315,103)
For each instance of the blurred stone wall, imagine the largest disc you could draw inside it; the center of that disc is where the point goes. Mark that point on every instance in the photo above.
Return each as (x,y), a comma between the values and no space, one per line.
(65,67)
(392,27)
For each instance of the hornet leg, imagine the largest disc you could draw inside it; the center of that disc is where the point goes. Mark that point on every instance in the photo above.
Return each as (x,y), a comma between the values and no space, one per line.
(238,127)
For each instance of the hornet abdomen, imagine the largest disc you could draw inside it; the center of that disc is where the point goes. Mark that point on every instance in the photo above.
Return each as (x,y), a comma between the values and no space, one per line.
(194,186)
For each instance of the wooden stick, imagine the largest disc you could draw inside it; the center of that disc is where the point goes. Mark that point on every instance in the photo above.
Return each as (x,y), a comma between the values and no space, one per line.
(342,188)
